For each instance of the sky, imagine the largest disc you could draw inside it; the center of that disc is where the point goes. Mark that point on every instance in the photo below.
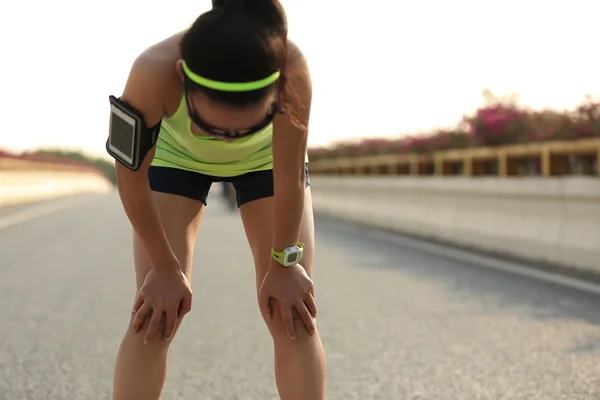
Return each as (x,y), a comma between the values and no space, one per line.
(379,68)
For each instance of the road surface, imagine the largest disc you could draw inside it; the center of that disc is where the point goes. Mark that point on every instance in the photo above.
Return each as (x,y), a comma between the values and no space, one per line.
(397,323)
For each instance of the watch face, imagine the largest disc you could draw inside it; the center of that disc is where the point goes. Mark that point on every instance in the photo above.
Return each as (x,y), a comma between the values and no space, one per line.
(292,257)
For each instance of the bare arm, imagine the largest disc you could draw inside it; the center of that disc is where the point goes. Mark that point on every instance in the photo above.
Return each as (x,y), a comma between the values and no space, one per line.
(290,287)
(144,92)
(289,151)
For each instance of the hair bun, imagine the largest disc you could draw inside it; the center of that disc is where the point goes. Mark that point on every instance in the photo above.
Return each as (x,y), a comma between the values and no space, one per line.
(228,4)
(267,13)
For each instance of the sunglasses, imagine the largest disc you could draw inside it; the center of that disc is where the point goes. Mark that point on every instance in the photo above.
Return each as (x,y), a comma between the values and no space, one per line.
(225,134)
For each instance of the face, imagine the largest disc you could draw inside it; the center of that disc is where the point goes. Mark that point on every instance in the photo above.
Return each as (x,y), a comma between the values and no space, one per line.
(226,122)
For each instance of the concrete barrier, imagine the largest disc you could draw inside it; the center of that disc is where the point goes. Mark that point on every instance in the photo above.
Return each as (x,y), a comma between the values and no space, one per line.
(18,187)
(554,220)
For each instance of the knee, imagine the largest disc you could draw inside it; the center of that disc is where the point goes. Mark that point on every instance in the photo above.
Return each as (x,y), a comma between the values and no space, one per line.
(276,325)
(151,337)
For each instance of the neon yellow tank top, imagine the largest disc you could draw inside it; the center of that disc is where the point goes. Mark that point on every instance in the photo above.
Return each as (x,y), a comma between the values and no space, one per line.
(178,147)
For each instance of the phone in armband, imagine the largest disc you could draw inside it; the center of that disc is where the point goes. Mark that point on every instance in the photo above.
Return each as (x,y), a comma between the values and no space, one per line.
(129,139)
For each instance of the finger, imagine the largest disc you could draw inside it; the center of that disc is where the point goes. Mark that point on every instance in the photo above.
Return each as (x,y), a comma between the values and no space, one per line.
(309,301)
(171,323)
(157,315)
(139,300)
(306,318)
(185,306)
(139,317)
(288,320)
(264,304)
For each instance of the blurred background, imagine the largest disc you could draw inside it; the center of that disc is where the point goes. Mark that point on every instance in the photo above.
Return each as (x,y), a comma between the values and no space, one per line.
(454,155)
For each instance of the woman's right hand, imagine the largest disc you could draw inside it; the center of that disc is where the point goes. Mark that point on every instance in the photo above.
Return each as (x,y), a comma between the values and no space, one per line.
(163,292)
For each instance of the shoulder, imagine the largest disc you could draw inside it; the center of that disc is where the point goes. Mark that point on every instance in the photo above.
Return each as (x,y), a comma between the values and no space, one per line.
(296,63)
(153,79)
(298,86)
(161,56)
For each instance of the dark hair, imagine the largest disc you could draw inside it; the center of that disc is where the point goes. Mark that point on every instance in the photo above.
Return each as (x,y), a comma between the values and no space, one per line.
(238,41)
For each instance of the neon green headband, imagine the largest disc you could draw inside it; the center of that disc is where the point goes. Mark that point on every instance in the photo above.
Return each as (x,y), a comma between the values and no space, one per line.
(230,86)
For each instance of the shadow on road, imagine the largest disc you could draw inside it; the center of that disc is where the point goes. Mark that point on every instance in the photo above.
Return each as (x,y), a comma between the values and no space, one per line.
(495,291)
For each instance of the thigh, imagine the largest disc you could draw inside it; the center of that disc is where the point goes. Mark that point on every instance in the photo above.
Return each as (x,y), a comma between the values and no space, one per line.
(257,185)
(179,182)
(178,197)
(258,220)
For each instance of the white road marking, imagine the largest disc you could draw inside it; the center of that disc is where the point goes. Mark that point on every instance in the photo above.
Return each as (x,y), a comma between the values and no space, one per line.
(41,210)
(480,260)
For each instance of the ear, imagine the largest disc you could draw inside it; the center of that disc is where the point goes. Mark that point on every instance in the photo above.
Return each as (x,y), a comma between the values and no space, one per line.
(179,66)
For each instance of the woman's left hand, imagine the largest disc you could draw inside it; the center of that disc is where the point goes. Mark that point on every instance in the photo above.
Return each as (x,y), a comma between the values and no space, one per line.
(292,288)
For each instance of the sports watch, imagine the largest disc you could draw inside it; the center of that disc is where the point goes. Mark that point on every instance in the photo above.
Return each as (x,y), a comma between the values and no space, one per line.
(290,256)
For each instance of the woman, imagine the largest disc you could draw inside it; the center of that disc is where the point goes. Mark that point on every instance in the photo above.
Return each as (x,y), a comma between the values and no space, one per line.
(232,97)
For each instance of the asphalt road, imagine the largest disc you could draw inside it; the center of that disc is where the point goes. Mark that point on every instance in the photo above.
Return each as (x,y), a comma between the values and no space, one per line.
(397,323)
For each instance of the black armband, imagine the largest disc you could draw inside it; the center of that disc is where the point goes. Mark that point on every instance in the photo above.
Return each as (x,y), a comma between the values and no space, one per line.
(129,139)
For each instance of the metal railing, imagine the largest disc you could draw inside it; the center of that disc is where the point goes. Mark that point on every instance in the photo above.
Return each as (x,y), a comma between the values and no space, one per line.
(553,158)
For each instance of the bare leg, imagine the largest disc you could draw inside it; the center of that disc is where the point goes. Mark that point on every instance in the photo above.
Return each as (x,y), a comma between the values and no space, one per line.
(140,370)
(300,365)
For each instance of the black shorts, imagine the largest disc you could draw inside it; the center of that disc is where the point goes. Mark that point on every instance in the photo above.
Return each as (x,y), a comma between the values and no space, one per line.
(193,185)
